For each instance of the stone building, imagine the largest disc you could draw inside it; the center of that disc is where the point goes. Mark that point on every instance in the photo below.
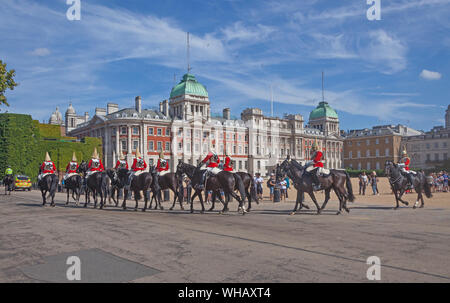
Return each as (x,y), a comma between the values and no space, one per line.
(184,129)
(371,148)
(432,148)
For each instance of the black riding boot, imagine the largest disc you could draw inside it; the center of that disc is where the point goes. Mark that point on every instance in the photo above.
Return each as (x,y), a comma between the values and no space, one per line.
(316,180)
(203,180)
(410,179)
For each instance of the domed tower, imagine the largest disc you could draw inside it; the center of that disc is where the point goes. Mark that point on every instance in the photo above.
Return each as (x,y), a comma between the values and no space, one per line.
(325,118)
(71,118)
(189,99)
(56,118)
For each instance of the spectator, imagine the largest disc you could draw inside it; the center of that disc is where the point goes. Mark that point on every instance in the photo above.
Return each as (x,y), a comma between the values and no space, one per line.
(283,187)
(271,184)
(259,185)
(187,189)
(287,186)
(363,180)
(374,183)
(430,181)
(445,177)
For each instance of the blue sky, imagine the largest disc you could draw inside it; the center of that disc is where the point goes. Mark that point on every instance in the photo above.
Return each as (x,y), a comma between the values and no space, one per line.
(395,70)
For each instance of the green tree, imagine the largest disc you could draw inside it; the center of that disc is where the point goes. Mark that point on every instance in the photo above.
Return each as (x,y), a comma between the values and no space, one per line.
(6,82)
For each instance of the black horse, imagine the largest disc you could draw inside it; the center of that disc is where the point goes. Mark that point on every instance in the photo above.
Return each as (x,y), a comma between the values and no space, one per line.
(399,184)
(142,182)
(48,184)
(97,183)
(8,182)
(73,183)
(116,185)
(337,180)
(222,181)
(172,182)
(250,190)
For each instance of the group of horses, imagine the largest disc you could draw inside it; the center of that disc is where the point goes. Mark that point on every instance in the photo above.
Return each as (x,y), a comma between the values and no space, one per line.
(223,186)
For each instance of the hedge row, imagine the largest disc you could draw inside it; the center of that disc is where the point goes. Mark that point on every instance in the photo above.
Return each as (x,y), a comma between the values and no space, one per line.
(24,142)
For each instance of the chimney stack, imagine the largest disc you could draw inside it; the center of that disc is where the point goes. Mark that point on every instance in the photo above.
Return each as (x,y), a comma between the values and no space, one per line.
(112,108)
(227,114)
(138,104)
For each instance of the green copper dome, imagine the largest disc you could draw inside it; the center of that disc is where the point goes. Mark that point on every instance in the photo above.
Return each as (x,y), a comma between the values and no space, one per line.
(189,86)
(323,110)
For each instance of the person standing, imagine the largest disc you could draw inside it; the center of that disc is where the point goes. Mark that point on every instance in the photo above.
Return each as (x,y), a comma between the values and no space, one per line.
(259,188)
(287,185)
(374,183)
(363,180)
(283,186)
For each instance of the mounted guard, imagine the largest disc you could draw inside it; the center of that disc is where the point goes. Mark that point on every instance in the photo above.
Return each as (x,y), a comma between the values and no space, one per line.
(47,167)
(404,165)
(315,166)
(95,164)
(162,166)
(138,167)
(121,162)
(211,162)
(71,168)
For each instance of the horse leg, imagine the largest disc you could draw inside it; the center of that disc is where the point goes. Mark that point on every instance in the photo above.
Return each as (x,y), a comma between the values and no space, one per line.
(241,203)
(400,197)
(213,201)
(202,204)
(327,198)
(298,201)
(174,199)
(192,200)
(313,197)
(419,197)
(44,197)
(396,198)
(68,194)
(124,203)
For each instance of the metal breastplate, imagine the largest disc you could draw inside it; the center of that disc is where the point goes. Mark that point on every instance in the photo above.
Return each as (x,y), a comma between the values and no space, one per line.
(140,163)
(73,166)
(95,164)
(48,166)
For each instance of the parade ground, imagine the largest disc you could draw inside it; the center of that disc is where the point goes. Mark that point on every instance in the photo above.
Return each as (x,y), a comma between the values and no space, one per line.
(265,245)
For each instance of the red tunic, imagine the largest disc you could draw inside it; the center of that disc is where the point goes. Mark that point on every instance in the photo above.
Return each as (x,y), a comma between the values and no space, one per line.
(48,171)
(406,161)
(99,168)
(71,171)
(316,158)
(134,166)
(211,163)
(227,166)
(161,169)
(118,164)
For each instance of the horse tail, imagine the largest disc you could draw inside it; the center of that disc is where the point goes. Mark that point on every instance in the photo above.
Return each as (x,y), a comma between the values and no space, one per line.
(253,192)
(240,186)
(53,185)
(348,182)
(104,185)
(427,188)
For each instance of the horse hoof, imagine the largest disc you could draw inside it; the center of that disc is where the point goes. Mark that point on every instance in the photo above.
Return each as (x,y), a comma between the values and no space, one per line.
(421,206)
(143,210)
(171,208)
(182,208)
(292,213)
(406,203)
(347,210)
(135,209)
(192,211)
(338,213)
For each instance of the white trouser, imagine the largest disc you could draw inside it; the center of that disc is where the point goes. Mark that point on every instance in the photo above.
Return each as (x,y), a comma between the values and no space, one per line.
(213,170)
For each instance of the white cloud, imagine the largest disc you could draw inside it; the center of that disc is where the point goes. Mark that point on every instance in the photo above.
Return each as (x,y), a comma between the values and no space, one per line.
(430,75)
(385,52)
(238,31)
(40,52)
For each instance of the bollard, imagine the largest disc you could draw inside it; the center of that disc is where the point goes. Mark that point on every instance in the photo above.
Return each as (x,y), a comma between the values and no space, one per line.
(166,195)
(276,194)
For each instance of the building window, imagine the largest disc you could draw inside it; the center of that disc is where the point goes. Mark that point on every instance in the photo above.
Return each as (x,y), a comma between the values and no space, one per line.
(445,157)
(428,145)
(367,153)
(180,146)
(167,146)
(159,132)
(386,140)
(358,154)
(368,165)
(377,141)
(135,145)
(167,132)
(159,146)
(150,131)
(436,157)
(135,130)
(123,130)
(124,145)
(151,146)
(350,155)
(258,164)
(428,157)
(246,150)
(386,152)
(197,147)
(377,153)
(367,142)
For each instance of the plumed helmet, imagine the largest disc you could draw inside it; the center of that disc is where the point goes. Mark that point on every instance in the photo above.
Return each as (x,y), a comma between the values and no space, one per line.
(161,155)
(95,154)
(74,157)
(47,157)
(138,153)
